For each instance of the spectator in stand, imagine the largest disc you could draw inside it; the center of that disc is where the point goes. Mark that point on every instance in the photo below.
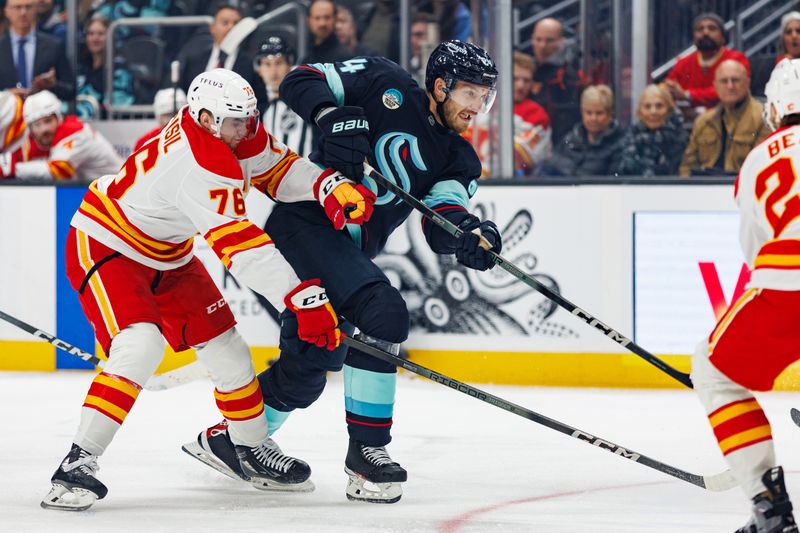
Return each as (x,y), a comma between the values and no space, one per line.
(654,145)
(30,60)
(166,103)
(593,146)
(790,36)
(347,32)
(324,46)
(196,58)
(274,59)
(381,29)
(723,135)
(58,147)
(91,78)
(532,143)
(423,39)
(560,83)
(692,77)
(50,20)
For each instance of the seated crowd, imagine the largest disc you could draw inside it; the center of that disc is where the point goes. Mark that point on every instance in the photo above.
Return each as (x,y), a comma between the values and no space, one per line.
(701,120)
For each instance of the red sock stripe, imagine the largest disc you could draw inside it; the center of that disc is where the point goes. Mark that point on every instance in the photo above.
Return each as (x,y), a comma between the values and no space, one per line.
(112,395)
(360,423)
(741,423)
(116,419)
(748,443)
(728,406)
(244,403)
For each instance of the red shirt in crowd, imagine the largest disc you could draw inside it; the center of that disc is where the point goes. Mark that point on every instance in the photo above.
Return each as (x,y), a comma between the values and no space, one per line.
(699,80)
(532,113)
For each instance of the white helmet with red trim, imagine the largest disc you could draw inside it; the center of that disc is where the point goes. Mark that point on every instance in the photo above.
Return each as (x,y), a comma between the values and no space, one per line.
(40,105)
(782,92)
(224,94)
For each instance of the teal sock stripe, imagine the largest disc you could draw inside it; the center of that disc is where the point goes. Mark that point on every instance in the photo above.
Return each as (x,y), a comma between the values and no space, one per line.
(275,418)
(368,393)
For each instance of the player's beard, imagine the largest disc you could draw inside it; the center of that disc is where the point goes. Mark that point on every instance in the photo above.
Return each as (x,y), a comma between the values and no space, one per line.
(451,112)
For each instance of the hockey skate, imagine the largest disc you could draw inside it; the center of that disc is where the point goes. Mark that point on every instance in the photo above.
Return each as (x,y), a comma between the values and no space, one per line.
(269,469)
(75,487)
(373,476)
(214,448)
(772,510)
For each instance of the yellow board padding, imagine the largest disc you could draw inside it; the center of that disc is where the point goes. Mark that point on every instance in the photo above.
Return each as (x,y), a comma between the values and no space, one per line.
(172,360)
(501,368)
(27,355)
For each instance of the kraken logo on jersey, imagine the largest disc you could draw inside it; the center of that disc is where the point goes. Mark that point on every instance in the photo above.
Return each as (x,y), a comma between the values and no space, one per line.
(392,151)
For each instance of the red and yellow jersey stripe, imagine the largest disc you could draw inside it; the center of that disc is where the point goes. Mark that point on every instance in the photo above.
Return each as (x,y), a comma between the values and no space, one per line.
(740,424)
(106,212)
(235,237)
(244,403)
(16,129)
(269,181)
(61,170)
(781,254)
(112,395)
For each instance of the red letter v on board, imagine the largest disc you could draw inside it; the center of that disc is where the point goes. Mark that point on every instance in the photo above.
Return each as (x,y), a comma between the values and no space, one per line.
(714,288)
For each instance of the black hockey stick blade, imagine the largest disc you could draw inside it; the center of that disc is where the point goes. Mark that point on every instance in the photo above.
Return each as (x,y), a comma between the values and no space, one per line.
(795,416)
(512,269)
(717,482)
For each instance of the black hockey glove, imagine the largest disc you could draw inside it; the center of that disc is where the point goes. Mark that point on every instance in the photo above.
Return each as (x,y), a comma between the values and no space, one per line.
(345,140)
(468,250)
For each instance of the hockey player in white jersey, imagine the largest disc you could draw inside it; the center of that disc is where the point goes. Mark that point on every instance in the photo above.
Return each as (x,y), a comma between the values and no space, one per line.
(759,335)
(58,147)
(12,125)
(129,256)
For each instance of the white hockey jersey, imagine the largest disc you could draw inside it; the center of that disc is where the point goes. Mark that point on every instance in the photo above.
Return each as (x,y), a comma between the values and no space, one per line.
(768,194)
(77,151)
(12,125)
(186,181)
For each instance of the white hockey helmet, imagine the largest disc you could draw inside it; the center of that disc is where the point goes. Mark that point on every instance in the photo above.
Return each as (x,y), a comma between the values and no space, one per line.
(168,101)
(40,105)
(782,92)
(224,94)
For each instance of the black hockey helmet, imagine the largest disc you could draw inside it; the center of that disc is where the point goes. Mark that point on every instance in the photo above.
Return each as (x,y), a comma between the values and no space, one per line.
(275,46)
(456,60)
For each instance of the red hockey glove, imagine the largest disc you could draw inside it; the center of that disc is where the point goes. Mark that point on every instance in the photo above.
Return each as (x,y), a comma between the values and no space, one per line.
(316,320)
(343,200)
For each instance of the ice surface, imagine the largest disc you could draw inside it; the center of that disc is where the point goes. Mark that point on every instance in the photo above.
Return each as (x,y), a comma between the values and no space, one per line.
(472,467)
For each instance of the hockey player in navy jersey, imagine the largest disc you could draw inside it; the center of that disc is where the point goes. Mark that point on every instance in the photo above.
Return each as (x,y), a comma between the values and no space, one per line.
(370,109)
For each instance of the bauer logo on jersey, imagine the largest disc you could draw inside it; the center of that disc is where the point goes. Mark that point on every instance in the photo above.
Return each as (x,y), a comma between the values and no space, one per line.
(392,99)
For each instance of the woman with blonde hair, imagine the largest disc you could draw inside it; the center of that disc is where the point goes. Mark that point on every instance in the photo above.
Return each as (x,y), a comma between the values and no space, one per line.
(654,145)
(593,146)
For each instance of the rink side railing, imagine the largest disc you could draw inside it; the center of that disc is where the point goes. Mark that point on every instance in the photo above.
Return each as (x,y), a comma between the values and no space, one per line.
(658,260)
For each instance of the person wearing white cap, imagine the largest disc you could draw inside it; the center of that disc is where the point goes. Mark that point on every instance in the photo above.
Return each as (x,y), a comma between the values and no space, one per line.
(166,103)
(58,147)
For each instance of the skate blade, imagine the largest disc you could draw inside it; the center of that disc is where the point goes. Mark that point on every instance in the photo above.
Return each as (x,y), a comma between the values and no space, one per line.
(270,485)
(196,451)
(63,499)
(360,489)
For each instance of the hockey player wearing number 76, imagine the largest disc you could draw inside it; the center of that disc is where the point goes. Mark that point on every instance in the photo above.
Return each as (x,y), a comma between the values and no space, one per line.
(370,108)
(759,335)
(129,256)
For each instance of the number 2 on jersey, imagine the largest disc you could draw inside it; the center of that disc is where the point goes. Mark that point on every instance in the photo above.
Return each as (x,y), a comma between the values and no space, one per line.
(779,197)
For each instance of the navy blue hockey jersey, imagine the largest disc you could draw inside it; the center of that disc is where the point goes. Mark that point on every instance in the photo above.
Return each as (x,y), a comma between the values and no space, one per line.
(410,148)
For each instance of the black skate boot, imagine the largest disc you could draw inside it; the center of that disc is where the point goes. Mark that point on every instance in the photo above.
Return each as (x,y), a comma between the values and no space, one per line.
(75,487)
(266,465)
(772,510)
(372,464)
(214,448)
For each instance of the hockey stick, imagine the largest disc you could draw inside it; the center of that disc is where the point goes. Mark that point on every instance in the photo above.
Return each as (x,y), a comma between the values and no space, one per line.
(717,482)
(512,269)
(164,381)
(230,43)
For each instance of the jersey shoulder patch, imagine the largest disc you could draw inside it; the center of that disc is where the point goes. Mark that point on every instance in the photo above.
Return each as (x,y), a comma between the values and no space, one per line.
(210,152)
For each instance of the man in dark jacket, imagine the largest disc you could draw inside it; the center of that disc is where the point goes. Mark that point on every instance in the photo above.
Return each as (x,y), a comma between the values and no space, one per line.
(560,81)
(325,46)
